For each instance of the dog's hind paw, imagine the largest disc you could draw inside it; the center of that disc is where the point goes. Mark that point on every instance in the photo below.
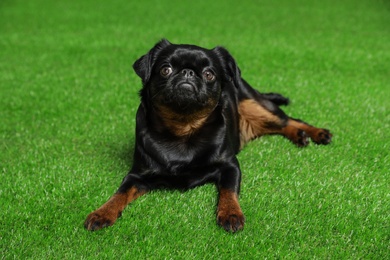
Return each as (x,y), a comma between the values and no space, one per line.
(322,136)
(302,139)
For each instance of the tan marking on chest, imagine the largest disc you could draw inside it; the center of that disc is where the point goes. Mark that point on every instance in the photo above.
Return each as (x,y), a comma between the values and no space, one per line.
(183,125)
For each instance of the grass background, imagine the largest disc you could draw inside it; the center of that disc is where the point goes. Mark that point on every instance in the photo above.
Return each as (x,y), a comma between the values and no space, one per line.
(67,109)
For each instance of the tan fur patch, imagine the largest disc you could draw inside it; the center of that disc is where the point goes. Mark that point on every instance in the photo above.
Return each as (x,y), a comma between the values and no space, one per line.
(229,213)
(119,201)
(310,130)
(228,201)
(318,135)
(255,121)
(183,125)
(108,213)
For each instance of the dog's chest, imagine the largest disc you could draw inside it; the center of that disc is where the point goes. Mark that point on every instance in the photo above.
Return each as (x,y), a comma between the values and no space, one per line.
(176,156)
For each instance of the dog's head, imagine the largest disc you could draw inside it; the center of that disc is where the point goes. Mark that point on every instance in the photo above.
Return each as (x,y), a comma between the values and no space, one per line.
(185,78)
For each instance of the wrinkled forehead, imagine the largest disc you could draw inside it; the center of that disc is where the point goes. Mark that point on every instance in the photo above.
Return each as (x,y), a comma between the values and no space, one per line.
(191,57)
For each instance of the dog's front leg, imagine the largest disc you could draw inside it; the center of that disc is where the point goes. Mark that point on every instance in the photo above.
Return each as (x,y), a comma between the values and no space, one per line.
(229,213)
(108,213)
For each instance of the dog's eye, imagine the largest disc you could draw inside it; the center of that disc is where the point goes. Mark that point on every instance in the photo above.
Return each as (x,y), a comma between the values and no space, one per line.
(166,71)
(209,76)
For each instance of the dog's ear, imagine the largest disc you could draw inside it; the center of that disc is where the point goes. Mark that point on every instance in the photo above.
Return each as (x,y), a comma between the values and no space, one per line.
(143,66)
(231,70)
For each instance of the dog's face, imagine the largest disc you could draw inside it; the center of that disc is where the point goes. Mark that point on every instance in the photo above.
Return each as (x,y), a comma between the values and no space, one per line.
(183,78)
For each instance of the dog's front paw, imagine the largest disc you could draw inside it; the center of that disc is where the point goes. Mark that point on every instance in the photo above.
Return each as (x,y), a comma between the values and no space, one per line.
(322,136)
(231,221)
(100,219)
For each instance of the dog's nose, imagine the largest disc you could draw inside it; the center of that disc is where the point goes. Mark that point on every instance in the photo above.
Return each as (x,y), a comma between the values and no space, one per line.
(187,73)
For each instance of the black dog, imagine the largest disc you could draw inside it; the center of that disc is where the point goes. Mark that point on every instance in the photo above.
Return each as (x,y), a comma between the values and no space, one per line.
(196,113)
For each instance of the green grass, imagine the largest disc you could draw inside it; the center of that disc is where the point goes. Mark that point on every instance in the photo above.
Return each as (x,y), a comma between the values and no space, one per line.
(67,109)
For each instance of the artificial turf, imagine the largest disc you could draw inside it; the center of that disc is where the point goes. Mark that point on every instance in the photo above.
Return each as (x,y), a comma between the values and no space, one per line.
(67,109)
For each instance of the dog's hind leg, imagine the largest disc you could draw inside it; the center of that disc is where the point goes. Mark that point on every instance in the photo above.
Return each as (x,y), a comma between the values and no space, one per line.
(256,119)
(298,132)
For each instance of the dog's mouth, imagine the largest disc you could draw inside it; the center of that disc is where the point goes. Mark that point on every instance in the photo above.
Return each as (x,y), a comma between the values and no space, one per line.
(187,86)
(183,97)
(183,90)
